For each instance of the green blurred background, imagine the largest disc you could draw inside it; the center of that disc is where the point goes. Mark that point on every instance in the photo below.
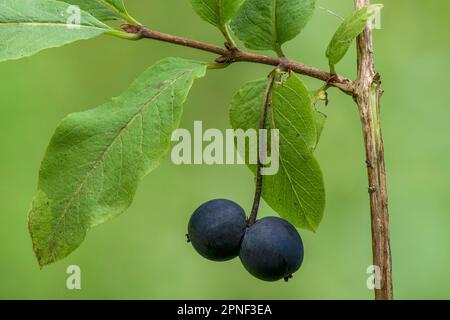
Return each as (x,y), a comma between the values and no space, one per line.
(143,254)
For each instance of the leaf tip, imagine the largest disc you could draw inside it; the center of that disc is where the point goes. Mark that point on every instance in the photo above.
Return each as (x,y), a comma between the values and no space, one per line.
(312,227)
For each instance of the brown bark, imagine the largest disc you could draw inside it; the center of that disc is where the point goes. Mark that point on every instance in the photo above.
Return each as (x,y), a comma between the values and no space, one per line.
(368,94)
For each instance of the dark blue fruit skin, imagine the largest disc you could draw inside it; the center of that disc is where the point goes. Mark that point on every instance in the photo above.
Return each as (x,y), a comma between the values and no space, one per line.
(272,249)
(216,229)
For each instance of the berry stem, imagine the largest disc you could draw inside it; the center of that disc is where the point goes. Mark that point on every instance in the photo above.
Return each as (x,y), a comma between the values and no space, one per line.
(267,101)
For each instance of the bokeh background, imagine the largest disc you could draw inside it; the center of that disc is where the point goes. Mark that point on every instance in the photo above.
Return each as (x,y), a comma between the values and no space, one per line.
(143,254)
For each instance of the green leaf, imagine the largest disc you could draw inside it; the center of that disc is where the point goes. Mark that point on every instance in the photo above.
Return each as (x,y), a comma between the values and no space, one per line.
(350,28)
(102,9)
(296,192)
(216,12)
(116,4)
(29,26)
(267,24)
(96,158)
(320,117)
(321,120)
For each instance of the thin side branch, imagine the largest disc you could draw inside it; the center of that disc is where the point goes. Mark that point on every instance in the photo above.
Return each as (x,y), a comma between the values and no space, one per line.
(368,94)
(232,55)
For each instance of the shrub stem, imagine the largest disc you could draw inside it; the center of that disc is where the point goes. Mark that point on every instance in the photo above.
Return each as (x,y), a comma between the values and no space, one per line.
(367,95)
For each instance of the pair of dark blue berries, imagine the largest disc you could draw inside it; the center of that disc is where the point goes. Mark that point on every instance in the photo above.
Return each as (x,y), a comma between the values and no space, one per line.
(271,249)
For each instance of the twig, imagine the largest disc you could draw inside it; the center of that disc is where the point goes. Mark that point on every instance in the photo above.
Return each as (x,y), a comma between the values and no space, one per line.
(232,55)
(367,95)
